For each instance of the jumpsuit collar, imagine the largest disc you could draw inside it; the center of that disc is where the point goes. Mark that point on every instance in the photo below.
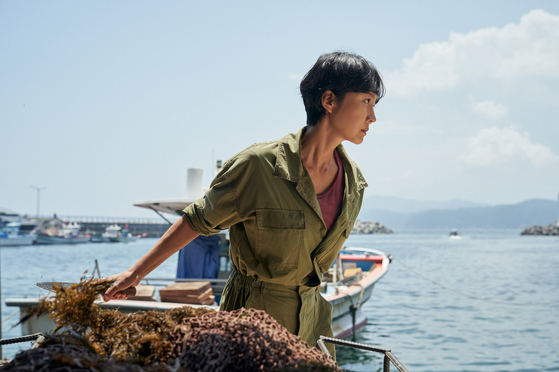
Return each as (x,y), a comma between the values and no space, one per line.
(290,167)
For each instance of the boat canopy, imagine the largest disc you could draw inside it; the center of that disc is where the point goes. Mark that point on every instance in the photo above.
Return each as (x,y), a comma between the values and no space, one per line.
(171,206)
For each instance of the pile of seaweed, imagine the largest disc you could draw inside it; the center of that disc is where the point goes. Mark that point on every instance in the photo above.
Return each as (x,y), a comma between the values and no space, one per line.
(89,338)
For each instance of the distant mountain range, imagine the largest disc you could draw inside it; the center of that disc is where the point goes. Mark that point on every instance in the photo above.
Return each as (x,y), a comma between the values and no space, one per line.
(400,205)
(403,213)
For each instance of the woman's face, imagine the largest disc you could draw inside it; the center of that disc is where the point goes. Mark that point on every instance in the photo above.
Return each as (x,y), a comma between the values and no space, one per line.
(352,116)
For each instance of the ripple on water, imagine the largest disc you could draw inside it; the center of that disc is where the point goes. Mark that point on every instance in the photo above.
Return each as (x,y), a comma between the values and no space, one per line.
(431,329)
(427,327)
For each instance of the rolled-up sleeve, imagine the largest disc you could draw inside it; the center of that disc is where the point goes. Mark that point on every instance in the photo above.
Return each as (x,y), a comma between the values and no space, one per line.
(217,209)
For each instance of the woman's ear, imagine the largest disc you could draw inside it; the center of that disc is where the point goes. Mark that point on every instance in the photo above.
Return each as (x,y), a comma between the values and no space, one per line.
(328,101)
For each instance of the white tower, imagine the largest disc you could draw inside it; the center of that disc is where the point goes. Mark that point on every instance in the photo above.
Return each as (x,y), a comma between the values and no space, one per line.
(194,178)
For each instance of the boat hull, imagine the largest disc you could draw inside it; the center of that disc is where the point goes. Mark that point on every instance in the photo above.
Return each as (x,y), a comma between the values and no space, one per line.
(120,240)
(347,301)
(45,324)
(99,239)
(17,241)
(47,239)
(347,311)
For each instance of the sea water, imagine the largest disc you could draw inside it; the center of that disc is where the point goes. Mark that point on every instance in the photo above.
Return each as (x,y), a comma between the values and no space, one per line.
(486,302)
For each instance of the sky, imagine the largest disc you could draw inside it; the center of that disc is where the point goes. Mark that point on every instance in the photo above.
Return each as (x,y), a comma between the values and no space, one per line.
(107,103)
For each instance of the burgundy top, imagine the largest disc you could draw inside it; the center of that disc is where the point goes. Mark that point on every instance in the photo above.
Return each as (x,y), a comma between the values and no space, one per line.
(331,200)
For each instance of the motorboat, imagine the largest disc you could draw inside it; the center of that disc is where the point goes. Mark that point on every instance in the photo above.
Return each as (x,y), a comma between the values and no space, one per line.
(115,234)
(11,236)
(454,234)
(69,234)
(347,286)
(361,268)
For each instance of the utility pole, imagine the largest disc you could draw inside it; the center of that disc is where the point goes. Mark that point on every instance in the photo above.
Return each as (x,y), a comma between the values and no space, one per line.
(38,197)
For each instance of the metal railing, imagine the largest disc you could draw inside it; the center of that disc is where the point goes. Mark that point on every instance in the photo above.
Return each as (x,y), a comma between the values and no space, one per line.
(388,356)
(15,340)
(103,219)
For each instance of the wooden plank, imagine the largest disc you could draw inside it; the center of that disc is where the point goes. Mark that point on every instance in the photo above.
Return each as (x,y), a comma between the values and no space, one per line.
(144,293)
(352,271)
(191,299)
(145,290)
(184,289)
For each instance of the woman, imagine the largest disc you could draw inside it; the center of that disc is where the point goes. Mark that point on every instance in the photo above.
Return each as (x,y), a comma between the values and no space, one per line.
(289,204)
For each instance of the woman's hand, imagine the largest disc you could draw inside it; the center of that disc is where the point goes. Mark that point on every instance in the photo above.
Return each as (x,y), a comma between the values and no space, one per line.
(123,280)
(178,235)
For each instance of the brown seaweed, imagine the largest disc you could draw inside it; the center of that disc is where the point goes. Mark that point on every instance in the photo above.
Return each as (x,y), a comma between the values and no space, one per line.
(90,338)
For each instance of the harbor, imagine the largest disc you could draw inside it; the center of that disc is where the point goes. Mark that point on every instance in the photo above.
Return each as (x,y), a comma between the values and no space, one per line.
(512,325)
(388,169)
(358,310)
(21,230)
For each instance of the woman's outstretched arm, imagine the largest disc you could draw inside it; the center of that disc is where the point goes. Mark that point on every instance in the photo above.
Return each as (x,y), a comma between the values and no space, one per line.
(178,235)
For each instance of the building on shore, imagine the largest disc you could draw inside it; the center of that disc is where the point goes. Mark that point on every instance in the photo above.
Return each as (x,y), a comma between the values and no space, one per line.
(367,227)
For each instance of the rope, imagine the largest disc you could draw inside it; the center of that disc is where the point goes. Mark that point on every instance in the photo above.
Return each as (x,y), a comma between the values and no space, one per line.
(472,296)
(9,316)
(360,295)
(15,340)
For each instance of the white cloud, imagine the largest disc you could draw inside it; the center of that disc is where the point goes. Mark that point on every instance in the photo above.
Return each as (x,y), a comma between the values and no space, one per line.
(493,146)
(489,109)
(527,49)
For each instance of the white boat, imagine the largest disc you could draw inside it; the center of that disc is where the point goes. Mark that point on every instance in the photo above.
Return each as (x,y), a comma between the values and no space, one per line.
(115,234)
(10,236)
(454,234)
(346,294)
(69,234)
(349,294)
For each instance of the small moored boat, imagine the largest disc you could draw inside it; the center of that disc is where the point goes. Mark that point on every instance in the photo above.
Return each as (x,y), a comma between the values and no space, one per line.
(69,234)
(10,235)
(115,234)
(362,268)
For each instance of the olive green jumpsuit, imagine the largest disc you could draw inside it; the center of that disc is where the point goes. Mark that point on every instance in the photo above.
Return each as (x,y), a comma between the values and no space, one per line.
(266,198)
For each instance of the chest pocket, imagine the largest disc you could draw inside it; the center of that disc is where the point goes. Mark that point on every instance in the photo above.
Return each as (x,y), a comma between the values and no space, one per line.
(280,238)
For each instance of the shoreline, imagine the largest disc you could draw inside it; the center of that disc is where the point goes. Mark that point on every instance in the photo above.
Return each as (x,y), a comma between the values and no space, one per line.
(552,230)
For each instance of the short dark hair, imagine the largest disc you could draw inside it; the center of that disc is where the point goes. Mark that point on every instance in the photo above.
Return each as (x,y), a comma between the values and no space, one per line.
(339,72)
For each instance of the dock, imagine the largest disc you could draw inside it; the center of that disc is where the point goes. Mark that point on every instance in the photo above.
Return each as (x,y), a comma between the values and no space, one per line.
(151,227)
